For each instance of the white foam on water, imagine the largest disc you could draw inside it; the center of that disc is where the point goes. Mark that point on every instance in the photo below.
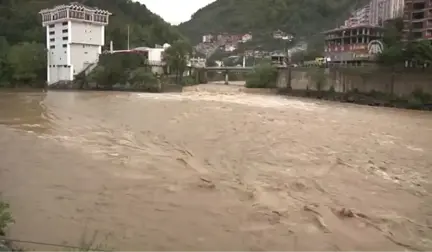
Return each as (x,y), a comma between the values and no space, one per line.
(265,101)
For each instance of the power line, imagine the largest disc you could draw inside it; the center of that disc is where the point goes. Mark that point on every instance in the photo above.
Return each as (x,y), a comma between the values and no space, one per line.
(46,244)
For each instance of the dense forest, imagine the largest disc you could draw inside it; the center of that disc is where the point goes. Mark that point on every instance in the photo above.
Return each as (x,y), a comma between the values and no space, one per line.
(302,18)
(22,38)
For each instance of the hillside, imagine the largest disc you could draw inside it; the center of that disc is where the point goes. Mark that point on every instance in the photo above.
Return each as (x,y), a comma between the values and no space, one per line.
(302,18)
(20,21)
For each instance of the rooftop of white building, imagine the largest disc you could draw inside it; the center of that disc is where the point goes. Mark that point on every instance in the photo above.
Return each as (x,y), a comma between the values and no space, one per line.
(76,6)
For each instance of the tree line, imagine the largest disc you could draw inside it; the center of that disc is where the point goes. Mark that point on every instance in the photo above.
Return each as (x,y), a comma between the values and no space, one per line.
(403,53)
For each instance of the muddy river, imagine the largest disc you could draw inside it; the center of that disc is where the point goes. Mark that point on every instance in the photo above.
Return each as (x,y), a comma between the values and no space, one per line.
(213,168)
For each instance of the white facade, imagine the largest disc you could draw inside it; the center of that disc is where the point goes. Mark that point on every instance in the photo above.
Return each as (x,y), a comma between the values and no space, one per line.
(360,16)
(392,9)
(155,57)
(75,35)
(375,13)
(207,38)
(382,10)
(246,38)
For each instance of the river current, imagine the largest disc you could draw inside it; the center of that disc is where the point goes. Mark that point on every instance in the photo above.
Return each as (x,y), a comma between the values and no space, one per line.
(213,168)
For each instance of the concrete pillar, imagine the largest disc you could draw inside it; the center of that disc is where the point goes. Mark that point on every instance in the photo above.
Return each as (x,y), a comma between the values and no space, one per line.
(226,77)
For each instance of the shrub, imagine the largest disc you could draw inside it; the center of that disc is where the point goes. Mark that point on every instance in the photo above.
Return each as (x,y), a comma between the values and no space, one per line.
(263,76)
(188,81)
(5,217)
(420,95)
(143,79)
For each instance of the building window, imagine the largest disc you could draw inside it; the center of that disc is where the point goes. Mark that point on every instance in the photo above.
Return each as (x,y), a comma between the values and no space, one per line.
(51,33)
(65,30)
(52,47)
(51,26)
(64,45)
(52,40)
(65,38)
(65,23)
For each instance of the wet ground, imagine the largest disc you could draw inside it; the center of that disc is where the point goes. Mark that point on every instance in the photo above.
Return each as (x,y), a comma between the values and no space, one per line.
(215,169)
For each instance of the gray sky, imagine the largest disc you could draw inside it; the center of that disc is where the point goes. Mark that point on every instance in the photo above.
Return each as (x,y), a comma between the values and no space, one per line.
(175,11)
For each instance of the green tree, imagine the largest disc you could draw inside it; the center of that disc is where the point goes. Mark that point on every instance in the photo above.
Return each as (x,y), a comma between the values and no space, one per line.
(263,76)
(420,52)
(5,217)
(392,55)
(394,52)
(176,57)
(99,76)
(393,32)
(142,78)
(27,62)
(4,66)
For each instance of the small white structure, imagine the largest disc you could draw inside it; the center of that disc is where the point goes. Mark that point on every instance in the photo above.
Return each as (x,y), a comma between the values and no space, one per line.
(230,48)
(155,56)
(207,38)
(75,35)
(247,37)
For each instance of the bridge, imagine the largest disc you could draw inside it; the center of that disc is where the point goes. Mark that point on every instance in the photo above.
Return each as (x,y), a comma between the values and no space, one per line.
(236,69)
(226,70)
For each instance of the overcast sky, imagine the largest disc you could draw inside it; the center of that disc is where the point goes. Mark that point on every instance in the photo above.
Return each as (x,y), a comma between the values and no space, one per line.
(175,11)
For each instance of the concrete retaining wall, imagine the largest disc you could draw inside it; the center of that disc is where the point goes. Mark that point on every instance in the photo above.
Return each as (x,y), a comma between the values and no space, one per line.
(400,83)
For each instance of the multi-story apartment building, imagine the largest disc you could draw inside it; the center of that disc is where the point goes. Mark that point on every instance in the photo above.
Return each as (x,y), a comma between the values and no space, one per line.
(376,12)
(390,9)
(396,8)
(75,35)
(359,17)
(418,19)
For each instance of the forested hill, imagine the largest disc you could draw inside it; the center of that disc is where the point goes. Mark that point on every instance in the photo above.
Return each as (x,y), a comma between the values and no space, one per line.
(261,17)
(20,21)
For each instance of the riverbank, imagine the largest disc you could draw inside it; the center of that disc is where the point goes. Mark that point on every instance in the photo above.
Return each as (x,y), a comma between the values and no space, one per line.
(416,101)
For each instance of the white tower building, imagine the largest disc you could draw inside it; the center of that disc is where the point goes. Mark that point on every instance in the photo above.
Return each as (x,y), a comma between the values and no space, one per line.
(75,35)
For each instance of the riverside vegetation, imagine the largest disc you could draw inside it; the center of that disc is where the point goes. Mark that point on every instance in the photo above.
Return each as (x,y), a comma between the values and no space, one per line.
(5,220)
(132,72)
(22,37)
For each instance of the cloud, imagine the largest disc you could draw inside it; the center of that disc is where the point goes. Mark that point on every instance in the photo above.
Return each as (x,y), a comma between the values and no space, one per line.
(175,11)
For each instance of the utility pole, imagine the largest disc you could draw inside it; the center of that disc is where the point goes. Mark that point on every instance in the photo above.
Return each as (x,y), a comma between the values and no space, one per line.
(128,37)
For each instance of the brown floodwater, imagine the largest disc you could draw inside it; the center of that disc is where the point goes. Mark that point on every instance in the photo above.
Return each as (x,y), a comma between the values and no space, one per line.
(213,168)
